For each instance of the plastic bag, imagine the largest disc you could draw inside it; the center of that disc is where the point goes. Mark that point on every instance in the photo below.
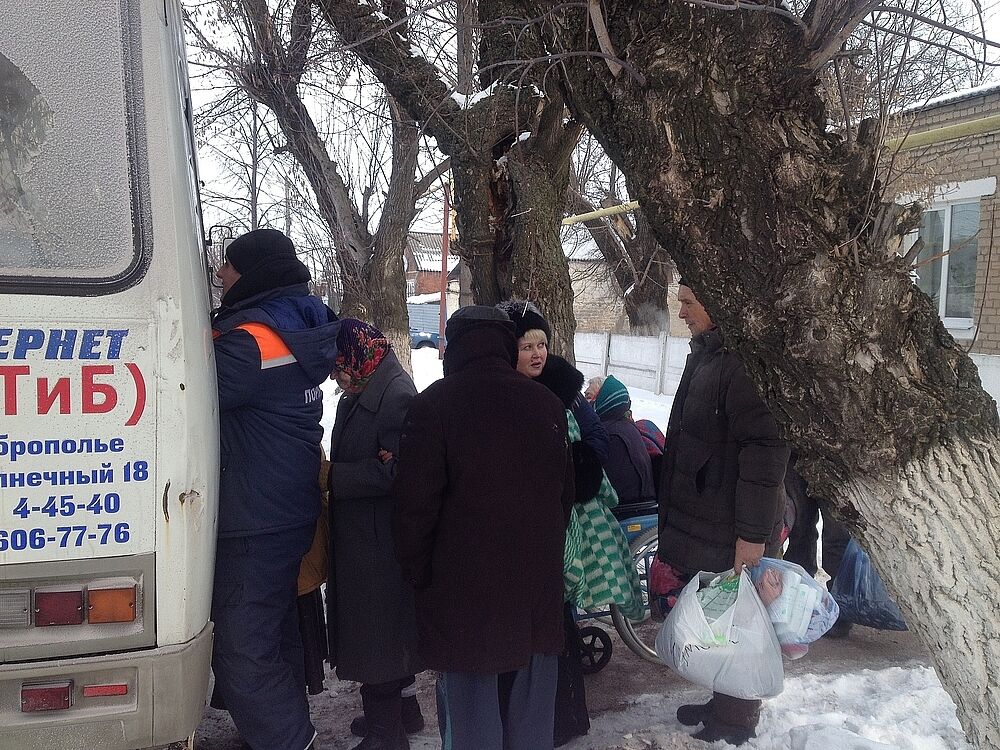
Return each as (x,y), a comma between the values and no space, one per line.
(736,653)
(802,610)
(862,596)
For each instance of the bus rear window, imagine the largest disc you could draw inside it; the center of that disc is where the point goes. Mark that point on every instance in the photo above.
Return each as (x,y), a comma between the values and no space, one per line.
(71,162)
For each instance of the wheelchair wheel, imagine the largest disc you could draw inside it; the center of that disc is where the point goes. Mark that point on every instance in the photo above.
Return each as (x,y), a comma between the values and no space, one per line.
(640,635)
(596,647)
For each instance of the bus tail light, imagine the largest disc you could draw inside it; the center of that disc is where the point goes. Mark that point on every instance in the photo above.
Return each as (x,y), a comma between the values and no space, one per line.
(15,608)
(111,605)
(51,696)
(58,608)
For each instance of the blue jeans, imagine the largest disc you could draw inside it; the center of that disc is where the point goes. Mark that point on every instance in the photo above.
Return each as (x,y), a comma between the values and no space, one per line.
(470,711)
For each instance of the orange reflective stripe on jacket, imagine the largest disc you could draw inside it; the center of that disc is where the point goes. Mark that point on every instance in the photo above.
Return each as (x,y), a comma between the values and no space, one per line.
(273,352)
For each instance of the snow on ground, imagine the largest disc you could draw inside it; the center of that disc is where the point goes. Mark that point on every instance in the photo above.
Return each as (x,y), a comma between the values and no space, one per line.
(899,708)
(843,707)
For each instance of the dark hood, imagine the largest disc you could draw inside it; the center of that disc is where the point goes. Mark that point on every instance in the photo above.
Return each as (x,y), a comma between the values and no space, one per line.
(560,377)
(486,345)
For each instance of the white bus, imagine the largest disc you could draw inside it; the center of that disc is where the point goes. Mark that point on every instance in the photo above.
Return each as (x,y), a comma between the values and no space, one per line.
(108,410)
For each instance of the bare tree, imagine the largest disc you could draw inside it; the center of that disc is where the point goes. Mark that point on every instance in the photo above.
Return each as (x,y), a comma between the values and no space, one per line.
(234,136)
(714,115)
(640,268)
(509,145)
(275,46)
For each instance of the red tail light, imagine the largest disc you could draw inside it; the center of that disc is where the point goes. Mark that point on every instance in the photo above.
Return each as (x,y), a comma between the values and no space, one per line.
(58,608)
(102,691)
(52,696)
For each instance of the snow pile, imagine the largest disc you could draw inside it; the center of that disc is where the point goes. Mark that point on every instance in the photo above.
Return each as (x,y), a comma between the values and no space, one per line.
(904,708)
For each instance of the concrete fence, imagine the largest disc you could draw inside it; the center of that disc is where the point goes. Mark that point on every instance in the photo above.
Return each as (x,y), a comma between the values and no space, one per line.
(655,363)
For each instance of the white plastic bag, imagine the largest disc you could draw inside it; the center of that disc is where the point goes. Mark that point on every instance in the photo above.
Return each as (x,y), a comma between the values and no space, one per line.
(804,611)
(736,655)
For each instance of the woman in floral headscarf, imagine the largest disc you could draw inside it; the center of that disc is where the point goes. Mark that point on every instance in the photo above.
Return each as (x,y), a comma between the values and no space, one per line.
(371,620)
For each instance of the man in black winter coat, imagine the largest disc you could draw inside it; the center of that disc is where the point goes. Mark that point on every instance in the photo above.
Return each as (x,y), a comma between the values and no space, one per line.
(483,488)
(721,495)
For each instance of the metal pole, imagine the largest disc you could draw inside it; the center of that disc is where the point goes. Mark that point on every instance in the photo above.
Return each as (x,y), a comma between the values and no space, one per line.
(445,243)
(602,212)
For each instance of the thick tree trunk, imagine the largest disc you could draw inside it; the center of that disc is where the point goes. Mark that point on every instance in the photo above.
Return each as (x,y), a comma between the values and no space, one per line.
(779,226)
(941,566)
(540,269)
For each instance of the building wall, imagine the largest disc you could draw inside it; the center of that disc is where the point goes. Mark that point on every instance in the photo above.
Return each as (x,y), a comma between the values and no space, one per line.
(599,308)
(963,159)
(596,304)
(428,282)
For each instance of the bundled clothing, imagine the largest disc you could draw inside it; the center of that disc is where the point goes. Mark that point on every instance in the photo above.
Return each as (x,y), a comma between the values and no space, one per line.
(597,568)
(372,622)
(485,556)
(724,463)
(628,465)
(372,625)
(271,354)
(274,345)
(723,472)
(486,609)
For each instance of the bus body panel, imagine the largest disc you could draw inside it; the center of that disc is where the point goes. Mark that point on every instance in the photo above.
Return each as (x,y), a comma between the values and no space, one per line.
(144,398)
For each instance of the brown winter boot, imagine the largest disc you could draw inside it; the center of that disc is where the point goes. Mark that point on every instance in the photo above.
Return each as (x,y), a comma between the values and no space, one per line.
(693,714)
(732,720)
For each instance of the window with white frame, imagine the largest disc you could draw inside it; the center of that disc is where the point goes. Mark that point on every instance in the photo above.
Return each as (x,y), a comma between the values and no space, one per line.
(945,268)
(411,287)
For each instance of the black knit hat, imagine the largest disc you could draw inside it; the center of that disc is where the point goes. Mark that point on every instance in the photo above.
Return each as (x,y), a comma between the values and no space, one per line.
(265,260)
(526,317)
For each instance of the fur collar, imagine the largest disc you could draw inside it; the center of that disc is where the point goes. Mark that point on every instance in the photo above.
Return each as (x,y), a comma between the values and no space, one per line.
(560,377)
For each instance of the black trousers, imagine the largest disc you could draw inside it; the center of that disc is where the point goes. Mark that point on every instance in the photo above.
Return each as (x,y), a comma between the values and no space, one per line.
(572,718)
(804,537)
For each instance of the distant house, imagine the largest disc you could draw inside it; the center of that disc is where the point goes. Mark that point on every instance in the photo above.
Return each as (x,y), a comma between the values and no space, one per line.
(950,156)
(422,261)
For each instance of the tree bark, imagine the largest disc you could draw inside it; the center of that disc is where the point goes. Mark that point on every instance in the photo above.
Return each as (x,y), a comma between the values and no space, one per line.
(779,226)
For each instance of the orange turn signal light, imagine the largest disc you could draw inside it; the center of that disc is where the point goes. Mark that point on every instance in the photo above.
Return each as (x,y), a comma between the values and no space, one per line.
(111,605)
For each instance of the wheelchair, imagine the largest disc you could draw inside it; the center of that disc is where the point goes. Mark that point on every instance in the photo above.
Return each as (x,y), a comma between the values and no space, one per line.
(639,523)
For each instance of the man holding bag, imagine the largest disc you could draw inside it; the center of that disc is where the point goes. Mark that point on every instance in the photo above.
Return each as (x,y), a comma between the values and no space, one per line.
(721,497)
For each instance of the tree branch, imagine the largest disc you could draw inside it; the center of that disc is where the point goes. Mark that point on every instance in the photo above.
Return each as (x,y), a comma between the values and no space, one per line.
(424,184)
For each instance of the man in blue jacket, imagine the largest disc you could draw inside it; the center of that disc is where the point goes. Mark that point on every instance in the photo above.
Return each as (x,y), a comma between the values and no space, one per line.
(274,345)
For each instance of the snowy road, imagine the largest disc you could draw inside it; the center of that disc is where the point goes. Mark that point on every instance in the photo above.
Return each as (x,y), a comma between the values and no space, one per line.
(872,690)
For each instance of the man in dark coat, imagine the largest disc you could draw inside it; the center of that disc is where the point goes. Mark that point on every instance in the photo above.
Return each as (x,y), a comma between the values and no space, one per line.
(483,490)
(721,496)
(274,345)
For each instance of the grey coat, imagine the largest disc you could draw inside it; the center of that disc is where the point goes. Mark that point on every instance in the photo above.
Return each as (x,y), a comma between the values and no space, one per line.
(371,619)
